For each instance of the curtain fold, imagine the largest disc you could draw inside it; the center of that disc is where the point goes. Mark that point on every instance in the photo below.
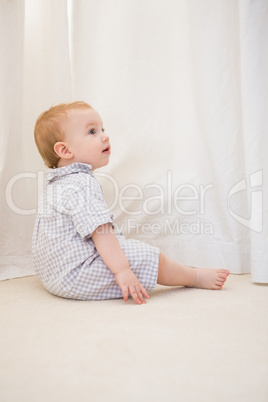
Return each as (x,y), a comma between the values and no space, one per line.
(182,89)
(35,73)
(254,83)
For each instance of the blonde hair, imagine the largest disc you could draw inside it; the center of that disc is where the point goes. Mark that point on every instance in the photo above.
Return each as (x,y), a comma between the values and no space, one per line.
(48,130)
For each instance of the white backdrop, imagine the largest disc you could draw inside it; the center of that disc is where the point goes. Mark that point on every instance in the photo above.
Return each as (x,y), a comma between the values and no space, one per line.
(182,88)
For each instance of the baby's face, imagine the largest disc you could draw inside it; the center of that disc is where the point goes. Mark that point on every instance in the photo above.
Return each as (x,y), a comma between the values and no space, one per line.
(85,138)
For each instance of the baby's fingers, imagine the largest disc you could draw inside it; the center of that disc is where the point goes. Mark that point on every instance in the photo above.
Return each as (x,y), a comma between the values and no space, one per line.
(136,294)
(125,293)
(144,291)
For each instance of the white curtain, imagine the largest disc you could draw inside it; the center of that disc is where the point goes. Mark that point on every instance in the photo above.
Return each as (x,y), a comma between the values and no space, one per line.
(182,88)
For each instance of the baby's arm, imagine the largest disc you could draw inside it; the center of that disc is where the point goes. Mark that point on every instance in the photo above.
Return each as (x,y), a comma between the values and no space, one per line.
(110,251)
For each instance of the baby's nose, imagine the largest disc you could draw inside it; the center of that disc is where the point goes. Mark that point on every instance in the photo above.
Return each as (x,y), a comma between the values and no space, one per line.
(105,137)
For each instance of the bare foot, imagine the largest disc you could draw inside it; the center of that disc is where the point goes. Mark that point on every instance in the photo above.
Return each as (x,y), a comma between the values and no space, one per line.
(210,278)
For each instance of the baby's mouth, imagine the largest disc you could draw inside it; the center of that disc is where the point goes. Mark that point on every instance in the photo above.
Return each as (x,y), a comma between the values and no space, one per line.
(106,150)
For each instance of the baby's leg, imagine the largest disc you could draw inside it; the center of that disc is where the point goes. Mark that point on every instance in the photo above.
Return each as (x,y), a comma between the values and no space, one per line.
(171,273)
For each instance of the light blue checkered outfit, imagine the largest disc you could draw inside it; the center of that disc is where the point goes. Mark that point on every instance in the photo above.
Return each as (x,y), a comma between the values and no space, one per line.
(65,258)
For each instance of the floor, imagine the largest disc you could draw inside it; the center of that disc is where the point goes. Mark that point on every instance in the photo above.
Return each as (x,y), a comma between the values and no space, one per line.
(183,345)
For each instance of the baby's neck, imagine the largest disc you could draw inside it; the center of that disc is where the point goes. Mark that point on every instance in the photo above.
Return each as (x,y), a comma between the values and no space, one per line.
(63,162)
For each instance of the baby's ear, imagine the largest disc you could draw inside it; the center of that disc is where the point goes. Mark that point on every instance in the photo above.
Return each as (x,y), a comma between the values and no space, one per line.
(62,150)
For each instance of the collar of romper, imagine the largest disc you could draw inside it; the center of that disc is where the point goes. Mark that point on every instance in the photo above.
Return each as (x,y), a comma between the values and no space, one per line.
(70,169)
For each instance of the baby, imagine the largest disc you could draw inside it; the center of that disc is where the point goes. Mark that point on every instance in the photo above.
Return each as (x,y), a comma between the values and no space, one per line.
(77,250)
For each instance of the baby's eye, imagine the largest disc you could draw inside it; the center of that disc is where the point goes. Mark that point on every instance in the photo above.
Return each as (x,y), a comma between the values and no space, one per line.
(93,131)
(103,129)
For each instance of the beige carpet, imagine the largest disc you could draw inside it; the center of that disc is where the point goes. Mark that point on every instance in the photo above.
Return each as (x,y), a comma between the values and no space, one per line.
(183,345)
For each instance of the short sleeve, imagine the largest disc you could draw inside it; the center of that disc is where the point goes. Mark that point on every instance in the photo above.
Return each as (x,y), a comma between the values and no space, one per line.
(87,209)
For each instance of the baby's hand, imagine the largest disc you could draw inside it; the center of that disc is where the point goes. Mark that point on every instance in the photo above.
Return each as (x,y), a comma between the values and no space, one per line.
(129,284)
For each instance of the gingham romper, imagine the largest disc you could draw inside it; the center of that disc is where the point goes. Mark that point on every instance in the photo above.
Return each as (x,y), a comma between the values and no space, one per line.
(64,255)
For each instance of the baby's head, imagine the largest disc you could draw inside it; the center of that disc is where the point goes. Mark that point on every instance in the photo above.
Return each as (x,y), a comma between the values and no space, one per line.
(72,132)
